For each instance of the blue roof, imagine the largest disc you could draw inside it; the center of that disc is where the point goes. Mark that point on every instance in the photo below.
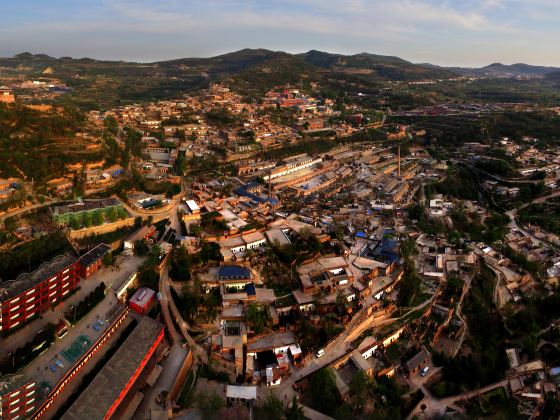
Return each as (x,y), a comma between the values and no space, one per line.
(234,271)
(250,289)
(361,234)
(389,245)
(243,192)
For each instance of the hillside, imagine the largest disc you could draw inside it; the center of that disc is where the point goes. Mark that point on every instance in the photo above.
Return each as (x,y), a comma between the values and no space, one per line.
(379,67)
(498,70)
(35,145)
(99,83)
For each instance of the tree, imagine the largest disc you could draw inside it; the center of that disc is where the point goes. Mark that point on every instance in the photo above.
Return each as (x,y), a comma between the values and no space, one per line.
(323,391)
(271,408)
(209,404)
(88,222)
(294,411)
(111,125)
(75,222)
(258,318)
(108,259)
(113,214)
(98,218)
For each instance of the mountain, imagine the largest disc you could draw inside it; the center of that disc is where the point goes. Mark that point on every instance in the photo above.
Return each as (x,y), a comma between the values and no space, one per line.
(499,70)
(102,83)
(380,67)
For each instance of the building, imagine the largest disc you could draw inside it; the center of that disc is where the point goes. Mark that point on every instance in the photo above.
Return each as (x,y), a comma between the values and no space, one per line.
(241,394)
(143,300)
(416,363)
(6,95)
(109,394)
(91,261)
(17,397)
(36,292)
(291,165)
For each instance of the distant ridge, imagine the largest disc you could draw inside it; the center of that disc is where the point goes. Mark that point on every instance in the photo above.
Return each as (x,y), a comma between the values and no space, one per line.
(379,67)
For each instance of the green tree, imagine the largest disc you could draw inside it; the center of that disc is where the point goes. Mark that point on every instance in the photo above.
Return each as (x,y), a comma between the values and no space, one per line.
(122,214)
(294,411)
(75,222)
(209,404)
(98,218)
(258,318)
(113,214)
(323,391)
(111,125)
(270,409)
(108,259)
(87,221)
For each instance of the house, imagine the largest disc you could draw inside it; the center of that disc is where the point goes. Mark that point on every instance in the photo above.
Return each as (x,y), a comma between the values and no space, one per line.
(241,394)
(6,95)
(416,363)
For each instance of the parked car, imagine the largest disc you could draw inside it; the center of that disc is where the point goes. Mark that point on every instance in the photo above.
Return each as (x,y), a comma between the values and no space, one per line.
(319,353)
(424,371)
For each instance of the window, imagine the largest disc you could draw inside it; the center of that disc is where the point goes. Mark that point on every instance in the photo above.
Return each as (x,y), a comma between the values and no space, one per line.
(15,316)
(16,300)
(14,308)
(31,299)
(30,307)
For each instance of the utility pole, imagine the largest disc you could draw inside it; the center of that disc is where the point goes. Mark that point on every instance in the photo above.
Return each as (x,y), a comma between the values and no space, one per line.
(399,160)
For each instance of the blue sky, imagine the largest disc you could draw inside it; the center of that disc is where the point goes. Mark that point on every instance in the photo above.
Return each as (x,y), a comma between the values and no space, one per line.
(445,32)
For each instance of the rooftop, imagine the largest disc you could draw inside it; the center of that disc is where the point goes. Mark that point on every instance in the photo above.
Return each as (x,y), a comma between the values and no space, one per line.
(241,392)
(271,341)
(11,383)
(234,271)
(142,296)
(94,255)
(96,400)
(26,281)
(85,205)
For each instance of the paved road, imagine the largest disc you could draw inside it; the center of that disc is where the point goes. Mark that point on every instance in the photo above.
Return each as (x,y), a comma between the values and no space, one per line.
(513,213)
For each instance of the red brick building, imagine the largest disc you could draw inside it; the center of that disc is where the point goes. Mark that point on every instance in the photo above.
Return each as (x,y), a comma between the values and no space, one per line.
(33,293)
(143,300)
(92,260)
(111,393)
(36,292)
(17,397)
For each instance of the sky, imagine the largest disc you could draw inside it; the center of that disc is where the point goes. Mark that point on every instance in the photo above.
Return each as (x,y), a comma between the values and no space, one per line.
(444,32)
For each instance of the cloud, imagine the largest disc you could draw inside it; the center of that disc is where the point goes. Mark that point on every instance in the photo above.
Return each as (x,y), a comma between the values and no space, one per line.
(398,27)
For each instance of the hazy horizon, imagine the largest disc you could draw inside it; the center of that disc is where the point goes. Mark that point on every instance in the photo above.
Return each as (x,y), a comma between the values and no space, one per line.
(443,32)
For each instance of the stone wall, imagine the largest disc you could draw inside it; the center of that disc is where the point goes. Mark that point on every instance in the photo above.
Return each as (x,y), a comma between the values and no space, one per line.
(101,229)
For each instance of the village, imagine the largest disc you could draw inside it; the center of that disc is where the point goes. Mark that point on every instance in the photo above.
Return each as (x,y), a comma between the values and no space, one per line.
(247,252)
